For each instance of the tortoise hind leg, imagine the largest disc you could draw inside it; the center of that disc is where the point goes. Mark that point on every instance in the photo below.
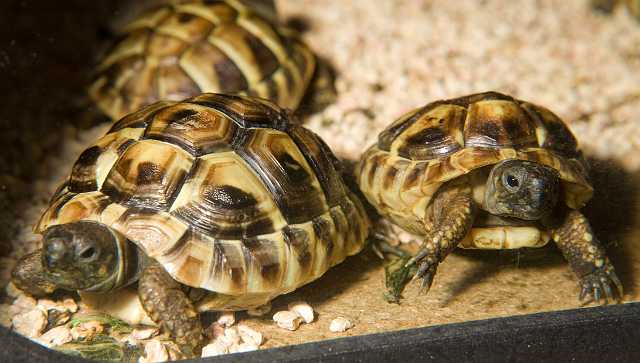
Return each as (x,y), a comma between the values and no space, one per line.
(166,303)
(587,258)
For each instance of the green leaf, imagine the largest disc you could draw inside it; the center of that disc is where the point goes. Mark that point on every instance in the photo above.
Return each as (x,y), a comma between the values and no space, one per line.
(114,323)
(102,348)
(397,276)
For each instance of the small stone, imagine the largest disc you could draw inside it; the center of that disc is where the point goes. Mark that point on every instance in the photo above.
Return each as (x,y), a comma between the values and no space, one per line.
(30,324)
(214,331)
(70,305)
(303,309)
(260,310)
(244,347)
(154,351)
(214,349)
(56,336)
(227,319)
(12,290)
(22,304)
(340,324)
(87,330)
(144,333)
(47,304)
(174,351)
(287,320)
(249,335)
(230,337)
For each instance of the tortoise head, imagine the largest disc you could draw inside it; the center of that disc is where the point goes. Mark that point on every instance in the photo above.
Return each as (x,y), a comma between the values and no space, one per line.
(522,189)
(83,255)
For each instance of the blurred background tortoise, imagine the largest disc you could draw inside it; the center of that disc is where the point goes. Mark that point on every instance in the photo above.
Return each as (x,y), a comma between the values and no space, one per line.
(179,49)
(219,193)
(486,171)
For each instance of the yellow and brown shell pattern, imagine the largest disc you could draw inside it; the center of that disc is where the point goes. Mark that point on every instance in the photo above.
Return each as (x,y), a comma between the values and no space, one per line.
(445,139)
(186,48)
(223,191)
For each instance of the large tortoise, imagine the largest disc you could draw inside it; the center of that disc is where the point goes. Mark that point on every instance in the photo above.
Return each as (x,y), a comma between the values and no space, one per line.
(220,193)
(486,171)
(183,48)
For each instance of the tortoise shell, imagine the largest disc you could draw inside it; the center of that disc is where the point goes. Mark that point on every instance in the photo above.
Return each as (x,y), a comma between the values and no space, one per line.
(446,139)
(183,49)
(224,191)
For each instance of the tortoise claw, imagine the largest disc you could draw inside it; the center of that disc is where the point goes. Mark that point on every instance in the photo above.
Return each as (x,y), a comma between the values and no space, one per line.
(599,285)
(426,272)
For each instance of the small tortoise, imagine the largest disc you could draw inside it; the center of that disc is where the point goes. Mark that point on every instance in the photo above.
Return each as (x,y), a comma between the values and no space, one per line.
(184,48)
(218,193)
(608,6)
(486,171)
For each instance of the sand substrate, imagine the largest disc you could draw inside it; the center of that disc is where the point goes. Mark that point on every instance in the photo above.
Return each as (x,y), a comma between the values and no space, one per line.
(394,56)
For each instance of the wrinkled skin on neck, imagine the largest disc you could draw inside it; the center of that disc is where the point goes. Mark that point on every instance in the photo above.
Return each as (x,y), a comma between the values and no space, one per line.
(522,189)
(80,255)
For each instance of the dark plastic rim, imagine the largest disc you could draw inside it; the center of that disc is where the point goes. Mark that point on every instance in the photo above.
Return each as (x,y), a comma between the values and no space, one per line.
(610,333)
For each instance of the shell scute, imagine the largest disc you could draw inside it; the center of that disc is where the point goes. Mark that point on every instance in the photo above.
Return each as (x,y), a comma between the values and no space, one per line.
(148,174)
(90,169)
(498,123)
(435,134)
(285,171)
(197,129)
(225,199)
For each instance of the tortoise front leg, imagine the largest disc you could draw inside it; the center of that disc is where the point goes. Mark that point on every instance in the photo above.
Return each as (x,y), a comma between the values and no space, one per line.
(166,303)
(29,275)
(448,220)
(586,256)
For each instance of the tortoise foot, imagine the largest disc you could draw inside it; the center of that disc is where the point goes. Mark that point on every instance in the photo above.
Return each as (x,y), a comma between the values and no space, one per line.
(600,285)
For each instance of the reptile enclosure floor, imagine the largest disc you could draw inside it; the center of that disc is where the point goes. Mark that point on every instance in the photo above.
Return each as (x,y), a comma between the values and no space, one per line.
(389,58)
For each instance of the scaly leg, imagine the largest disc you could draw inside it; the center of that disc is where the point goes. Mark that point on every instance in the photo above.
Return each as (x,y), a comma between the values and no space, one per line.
(448,220)
(29,275)
(166,303)
(587,258)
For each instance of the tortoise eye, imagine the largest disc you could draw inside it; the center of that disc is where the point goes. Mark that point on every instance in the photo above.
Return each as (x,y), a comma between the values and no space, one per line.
(511,182)
(88,253)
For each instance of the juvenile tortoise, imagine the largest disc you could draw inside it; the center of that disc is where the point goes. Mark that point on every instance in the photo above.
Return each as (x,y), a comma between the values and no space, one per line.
(218,193)
(183,48)
(486,171)
(608,6)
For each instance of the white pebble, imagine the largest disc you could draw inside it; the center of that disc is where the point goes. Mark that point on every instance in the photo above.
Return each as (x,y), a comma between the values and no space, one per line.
(154,351)
(22,304)
(144,333)
(227,319)
(30,324)
(303,309)
(56,336)
(287,320)
(340,324)
(214,330)
(244,347)
(249,335)
(260,310)
(214,349)
(230,337)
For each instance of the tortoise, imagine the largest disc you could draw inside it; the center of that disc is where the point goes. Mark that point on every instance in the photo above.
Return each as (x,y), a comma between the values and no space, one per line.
(608,6)
(486,171)
(183,48)
(219,194)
